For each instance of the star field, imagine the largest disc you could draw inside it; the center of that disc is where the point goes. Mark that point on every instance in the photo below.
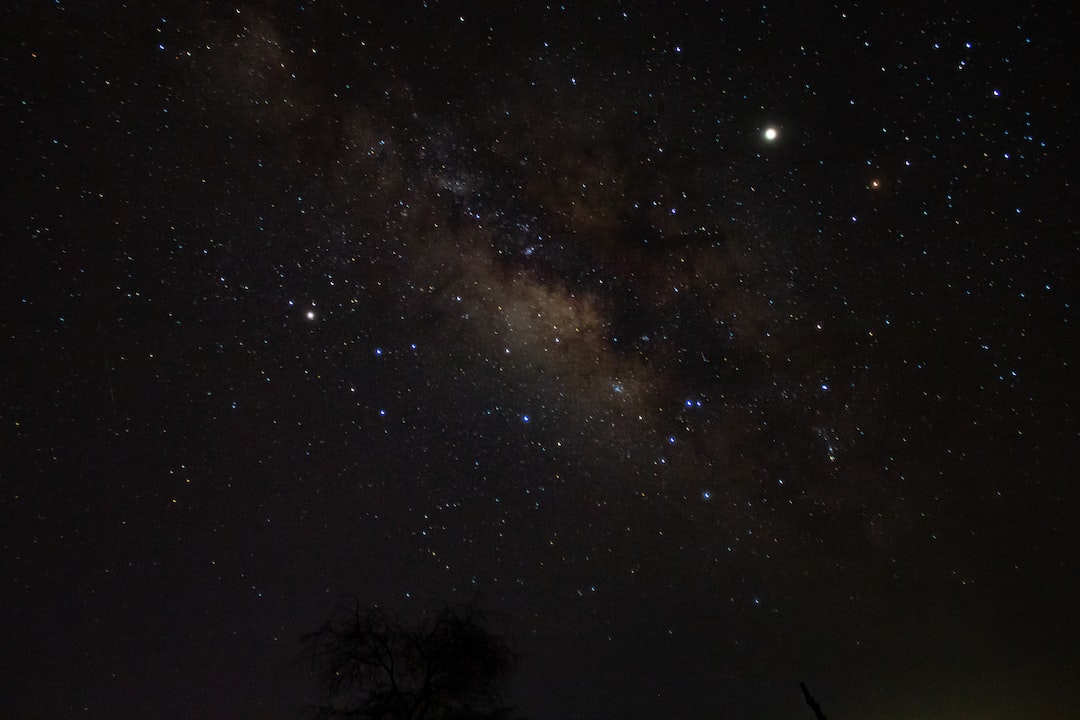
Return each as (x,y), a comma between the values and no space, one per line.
(711,348)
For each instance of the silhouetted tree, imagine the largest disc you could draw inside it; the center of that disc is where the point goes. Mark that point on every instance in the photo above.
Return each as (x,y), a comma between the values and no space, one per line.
(448,667)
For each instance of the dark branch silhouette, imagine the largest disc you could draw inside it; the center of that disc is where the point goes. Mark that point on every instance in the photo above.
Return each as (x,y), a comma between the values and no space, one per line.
(811,702)
(449,667)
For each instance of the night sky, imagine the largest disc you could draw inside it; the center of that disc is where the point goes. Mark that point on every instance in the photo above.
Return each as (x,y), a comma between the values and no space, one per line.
(711,348)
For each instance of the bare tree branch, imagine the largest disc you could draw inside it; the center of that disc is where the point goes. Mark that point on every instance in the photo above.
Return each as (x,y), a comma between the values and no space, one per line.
(449,667)
(811,702)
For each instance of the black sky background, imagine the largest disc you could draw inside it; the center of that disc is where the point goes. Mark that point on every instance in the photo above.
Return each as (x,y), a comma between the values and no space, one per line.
(434,302)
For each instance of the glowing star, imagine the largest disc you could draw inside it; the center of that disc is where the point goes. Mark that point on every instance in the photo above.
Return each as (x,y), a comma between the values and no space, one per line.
(771,134)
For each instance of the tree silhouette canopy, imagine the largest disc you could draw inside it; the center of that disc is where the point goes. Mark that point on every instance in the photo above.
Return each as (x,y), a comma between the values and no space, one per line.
(447,667)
